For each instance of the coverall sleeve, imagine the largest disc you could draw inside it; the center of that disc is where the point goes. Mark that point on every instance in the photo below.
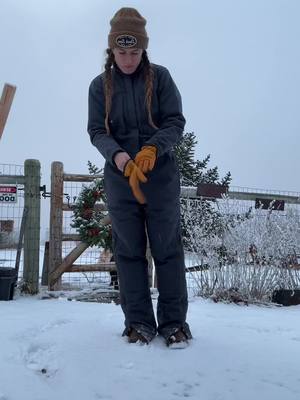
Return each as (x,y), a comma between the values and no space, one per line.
(102,140)
(172,121)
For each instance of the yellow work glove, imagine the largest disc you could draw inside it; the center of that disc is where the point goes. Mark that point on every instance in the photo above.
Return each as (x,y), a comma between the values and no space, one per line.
(145,159)
(135,176)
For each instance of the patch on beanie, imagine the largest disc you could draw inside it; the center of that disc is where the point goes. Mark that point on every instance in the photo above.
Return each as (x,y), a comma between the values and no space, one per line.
(126,41)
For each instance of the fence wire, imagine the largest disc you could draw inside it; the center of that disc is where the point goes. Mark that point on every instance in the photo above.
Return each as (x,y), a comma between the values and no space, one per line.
(10,219)
(93,255)
(231,232)
(225,207)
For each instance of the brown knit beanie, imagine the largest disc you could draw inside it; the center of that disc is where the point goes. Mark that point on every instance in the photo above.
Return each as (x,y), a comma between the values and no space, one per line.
(128,30)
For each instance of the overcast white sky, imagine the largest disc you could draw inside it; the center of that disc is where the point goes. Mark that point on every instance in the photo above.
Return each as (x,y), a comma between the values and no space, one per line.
(236,63)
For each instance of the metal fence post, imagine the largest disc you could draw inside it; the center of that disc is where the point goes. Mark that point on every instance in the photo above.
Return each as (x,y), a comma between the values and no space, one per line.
(32,170)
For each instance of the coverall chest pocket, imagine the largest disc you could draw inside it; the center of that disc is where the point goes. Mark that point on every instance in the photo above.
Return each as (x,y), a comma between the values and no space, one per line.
(116,116)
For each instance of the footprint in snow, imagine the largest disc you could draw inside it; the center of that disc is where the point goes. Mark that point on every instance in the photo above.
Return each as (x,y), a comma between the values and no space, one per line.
(41,358)
(54,324)
(128,365)
(185,390)
(36,331)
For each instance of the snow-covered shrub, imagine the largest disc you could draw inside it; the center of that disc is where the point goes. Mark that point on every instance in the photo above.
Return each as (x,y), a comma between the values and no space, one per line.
(253,255)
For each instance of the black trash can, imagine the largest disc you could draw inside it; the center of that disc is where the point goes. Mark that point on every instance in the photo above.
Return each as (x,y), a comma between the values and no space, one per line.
(8,279)
(286,297)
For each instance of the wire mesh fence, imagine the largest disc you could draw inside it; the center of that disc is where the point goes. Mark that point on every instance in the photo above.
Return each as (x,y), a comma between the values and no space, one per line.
(243,244)
(11,211)
(209,215)
(20,222)
(235,209)
(245,189)
(92,255)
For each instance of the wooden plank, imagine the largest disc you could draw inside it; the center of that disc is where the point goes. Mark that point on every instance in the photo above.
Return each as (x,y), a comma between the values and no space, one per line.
(108,267)
(12,179)
(56,221)
(70,206)
(211,190)
(20,242)
(269,196)
(5,104)
(81,177)
(195,268)
(56,274)
(70,237)
(191,193)
(295,266)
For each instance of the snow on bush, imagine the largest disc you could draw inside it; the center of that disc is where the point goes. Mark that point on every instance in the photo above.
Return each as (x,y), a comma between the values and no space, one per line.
(248,256)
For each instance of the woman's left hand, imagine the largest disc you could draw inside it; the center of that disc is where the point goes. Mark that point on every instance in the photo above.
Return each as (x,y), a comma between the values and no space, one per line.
(121,158)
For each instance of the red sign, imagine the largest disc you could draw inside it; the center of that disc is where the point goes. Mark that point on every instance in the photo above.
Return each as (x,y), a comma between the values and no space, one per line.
(8,189)
(8,194)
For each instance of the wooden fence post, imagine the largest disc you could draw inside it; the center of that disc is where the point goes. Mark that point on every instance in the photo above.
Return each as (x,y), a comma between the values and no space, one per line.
(56,220)
(32,204)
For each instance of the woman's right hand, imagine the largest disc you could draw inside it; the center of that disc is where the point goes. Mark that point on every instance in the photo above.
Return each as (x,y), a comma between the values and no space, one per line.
(121,159)
(136,177)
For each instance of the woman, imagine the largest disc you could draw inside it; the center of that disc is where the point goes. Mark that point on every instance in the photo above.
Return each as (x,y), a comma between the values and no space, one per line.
(135,119)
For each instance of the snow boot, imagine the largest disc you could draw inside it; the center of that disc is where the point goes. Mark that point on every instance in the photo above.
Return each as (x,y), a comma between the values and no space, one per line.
(134,336)
(177,340)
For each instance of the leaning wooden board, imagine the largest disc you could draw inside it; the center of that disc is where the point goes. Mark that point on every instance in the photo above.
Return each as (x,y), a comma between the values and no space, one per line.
(5,104)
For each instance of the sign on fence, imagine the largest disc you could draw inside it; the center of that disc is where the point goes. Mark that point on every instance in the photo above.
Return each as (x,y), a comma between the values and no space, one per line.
(268,204)
(8,194)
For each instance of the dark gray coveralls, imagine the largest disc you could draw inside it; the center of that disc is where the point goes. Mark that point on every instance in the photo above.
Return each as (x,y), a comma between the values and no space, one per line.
(130,131)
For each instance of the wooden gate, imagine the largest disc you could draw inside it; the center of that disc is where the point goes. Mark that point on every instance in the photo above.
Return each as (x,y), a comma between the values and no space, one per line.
(56,264)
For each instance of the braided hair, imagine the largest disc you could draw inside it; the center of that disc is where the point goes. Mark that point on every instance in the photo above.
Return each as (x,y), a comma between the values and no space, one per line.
(108,86)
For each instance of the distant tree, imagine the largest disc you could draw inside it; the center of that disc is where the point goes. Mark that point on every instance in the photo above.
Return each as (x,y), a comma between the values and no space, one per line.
(194,172)
(93,169)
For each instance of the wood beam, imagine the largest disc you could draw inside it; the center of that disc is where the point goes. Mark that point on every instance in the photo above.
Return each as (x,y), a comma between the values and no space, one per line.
(5,104)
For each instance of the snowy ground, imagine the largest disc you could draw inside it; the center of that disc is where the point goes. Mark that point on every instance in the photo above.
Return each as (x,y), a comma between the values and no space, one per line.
(59,349)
